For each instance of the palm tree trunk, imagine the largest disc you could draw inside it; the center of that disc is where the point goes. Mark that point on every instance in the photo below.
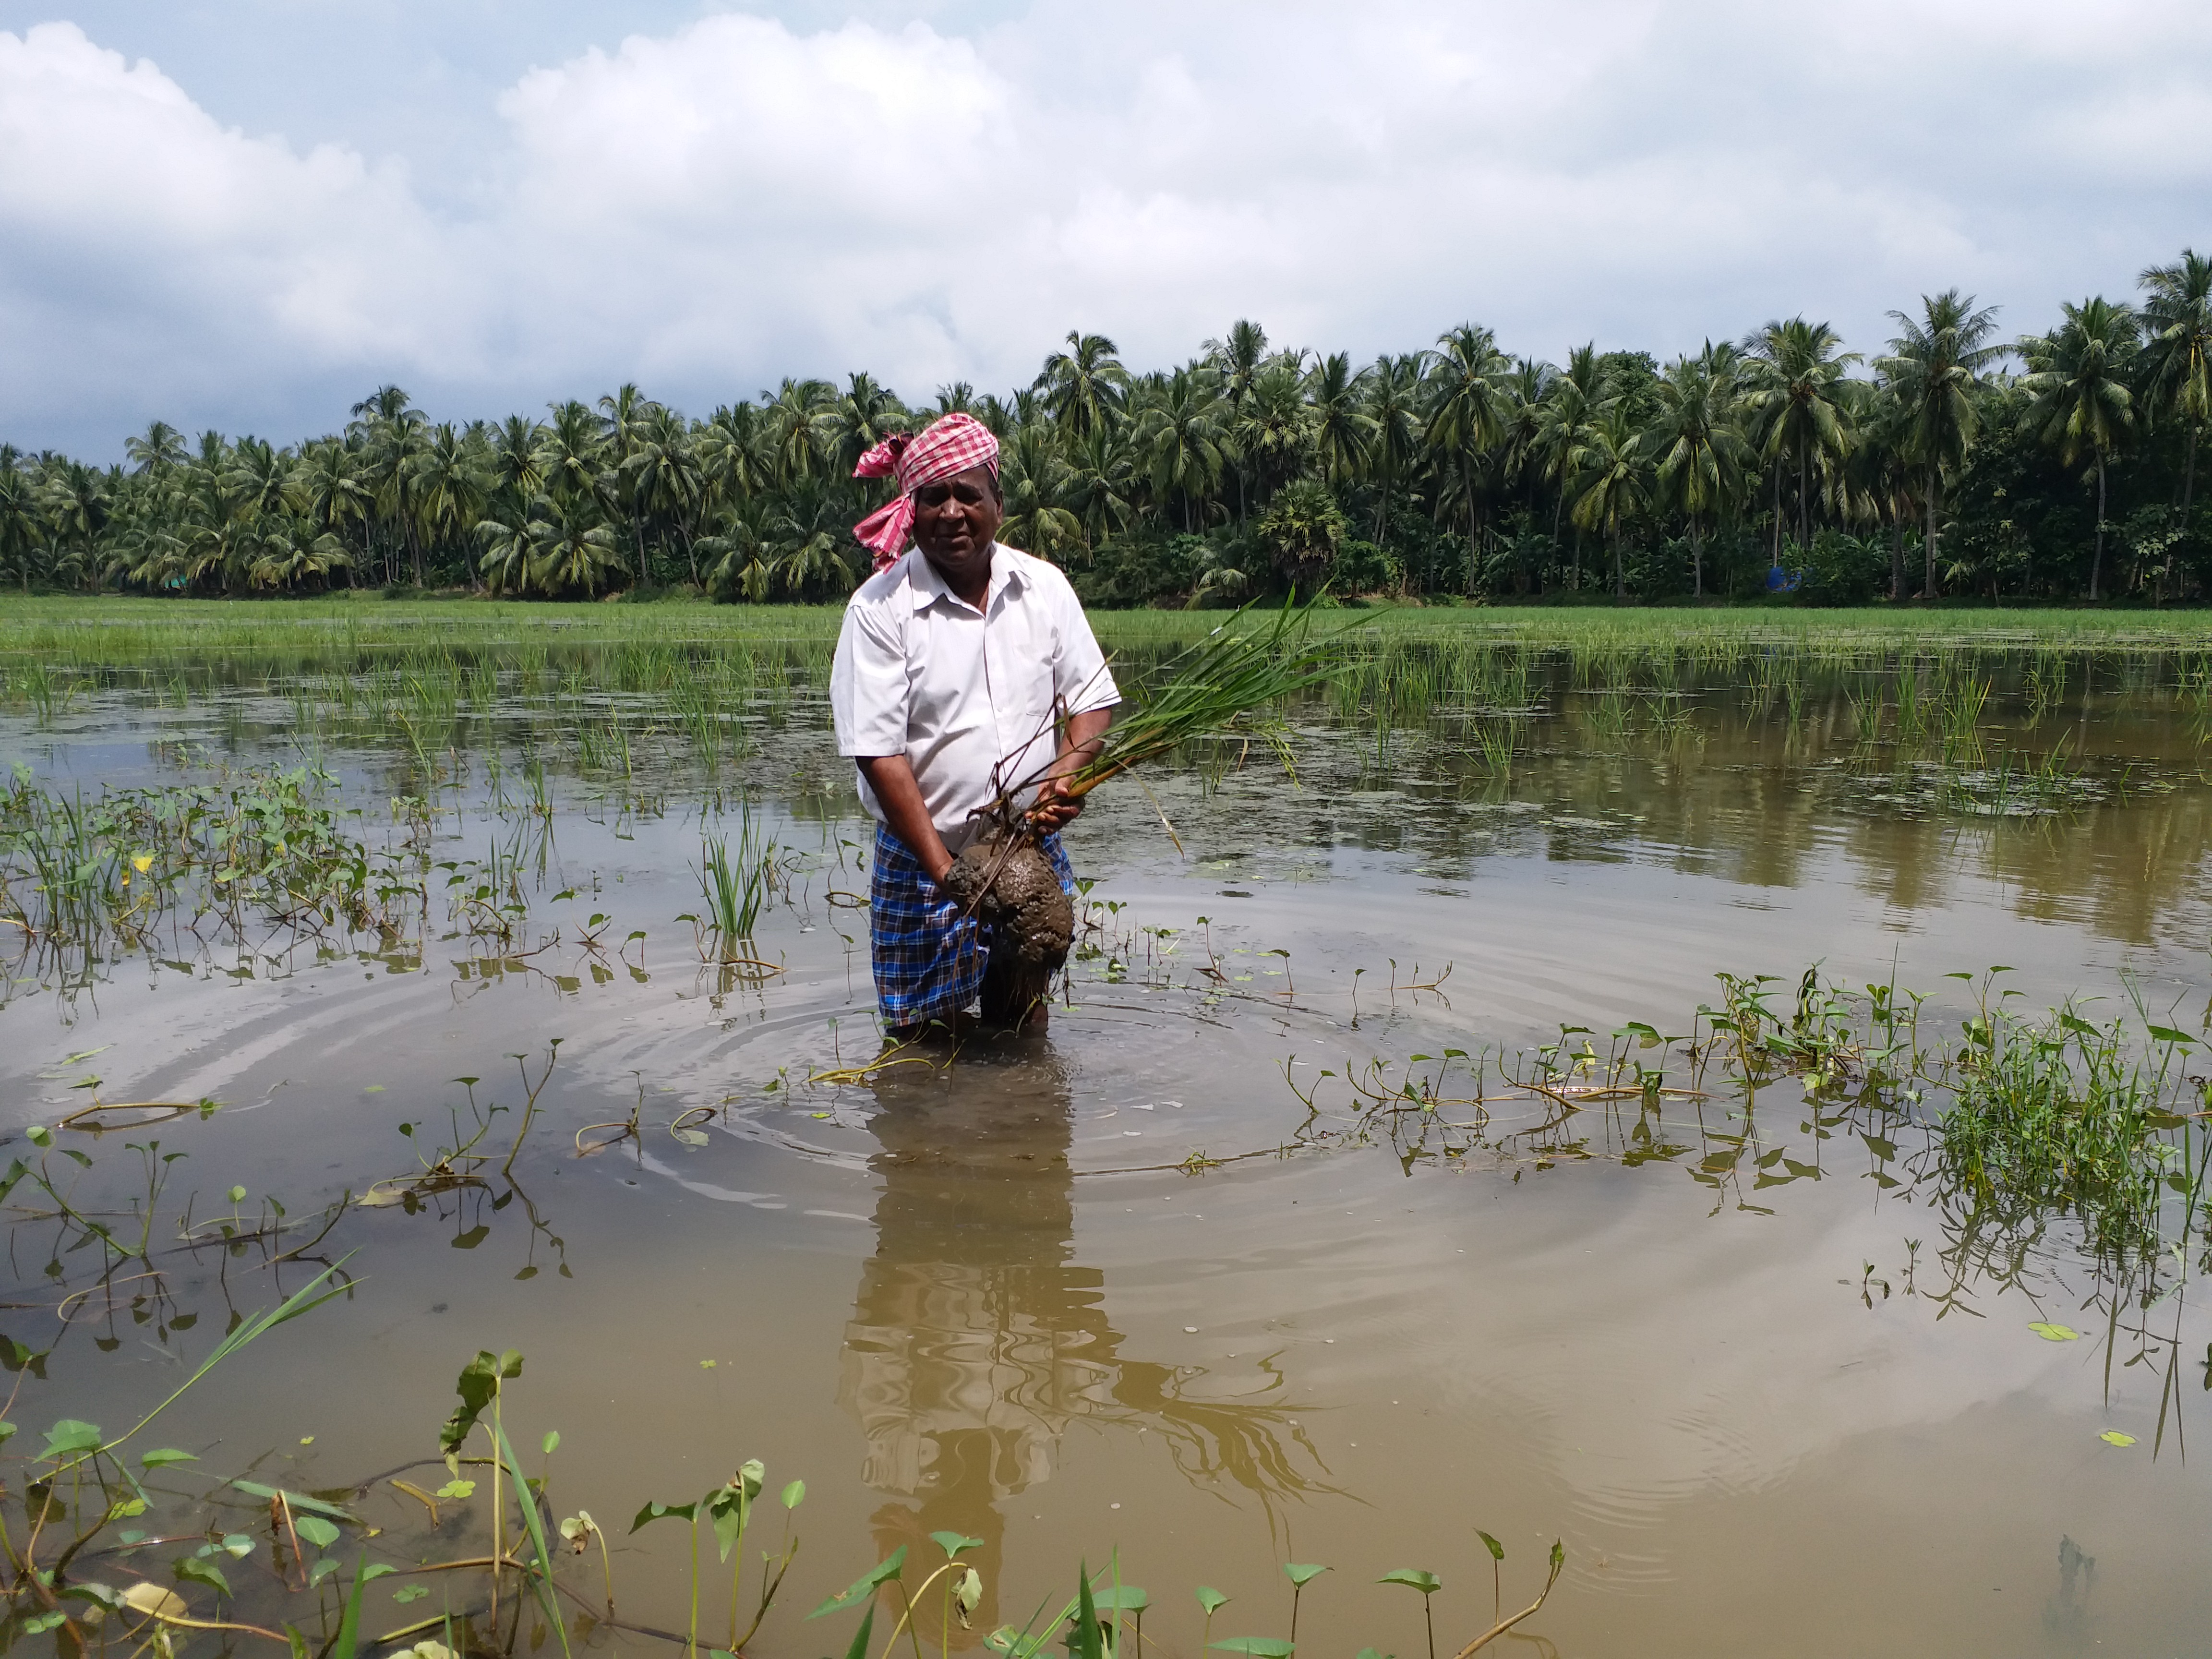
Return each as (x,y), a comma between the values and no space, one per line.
(1935,490)
(1467,477)
(2097,558)
(1804,502)
(1897,555)
(1619,575)
(1696,563)
(1776,560)
(2188,476)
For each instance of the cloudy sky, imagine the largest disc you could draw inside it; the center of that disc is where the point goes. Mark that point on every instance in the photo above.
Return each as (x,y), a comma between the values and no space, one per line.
(248,213)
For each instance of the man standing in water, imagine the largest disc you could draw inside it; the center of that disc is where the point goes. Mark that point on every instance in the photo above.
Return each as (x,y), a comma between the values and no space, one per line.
(965,669)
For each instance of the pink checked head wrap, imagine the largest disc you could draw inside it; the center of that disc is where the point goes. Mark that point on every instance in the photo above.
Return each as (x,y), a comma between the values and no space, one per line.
(946,446)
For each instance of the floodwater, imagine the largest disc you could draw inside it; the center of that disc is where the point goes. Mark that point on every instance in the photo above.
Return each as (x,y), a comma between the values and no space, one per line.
(1099,1291)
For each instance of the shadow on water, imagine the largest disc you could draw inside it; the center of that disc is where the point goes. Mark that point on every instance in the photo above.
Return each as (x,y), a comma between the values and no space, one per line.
(977,1339)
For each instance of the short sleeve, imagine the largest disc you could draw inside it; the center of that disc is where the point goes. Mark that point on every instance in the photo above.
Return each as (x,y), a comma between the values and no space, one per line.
(868,684)
(1081,680)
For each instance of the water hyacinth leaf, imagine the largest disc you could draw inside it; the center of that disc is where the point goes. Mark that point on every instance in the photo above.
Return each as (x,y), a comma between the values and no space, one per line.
(191,1570)
(155,1602)
(408,1593)
(954,1543)
(551,1444)
(166,1455)
(1496,1550)
(731,1506)
(71,1437)
(1303,1573)
(479,1380)
(2115,1437)
(1260,1647)
(316,1530)
(322,1569)
(300,1500)
(1413,1578)
(653,1513)
(1121,1598)
(967,1595)
(1211,1599)
(794,1494)
(1370,1653)
(2051,1333)
(864,1588)
(234,1544)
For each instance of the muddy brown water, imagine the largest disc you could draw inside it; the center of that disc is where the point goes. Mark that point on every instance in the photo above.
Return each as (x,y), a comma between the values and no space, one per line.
(1773,1407)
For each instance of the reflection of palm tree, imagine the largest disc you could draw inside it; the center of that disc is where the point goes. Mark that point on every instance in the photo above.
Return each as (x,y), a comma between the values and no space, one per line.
(976,1340)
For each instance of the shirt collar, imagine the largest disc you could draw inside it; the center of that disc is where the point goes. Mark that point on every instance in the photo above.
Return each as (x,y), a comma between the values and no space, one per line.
(929,588)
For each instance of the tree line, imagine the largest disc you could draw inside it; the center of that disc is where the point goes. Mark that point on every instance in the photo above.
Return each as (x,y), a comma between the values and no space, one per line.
(2056,465)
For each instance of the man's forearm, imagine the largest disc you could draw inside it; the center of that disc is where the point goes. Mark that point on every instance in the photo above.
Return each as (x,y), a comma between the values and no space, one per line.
(891,777)
(1080,737)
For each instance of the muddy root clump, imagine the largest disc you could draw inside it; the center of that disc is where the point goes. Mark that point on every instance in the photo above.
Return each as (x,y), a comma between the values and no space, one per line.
(1032,922)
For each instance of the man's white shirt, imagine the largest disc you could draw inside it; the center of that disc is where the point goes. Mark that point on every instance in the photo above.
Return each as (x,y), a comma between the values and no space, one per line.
(968,696)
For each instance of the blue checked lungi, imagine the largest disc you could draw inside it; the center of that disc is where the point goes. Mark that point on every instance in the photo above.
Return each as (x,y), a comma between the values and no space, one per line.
(928,958)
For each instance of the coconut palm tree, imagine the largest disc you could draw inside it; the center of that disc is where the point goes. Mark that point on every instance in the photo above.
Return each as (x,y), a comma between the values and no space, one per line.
(798,430)
(1393,386)
(23,524)
(449,484)
(1617,477)
(1467,412)
(1797,404)
(2178,358)
(1180,436)
(728,447)
(1701,452)
(160,447)
(738,550)
(1033,478)
(860,417)
(392,444)
(2078,376)
(665,479)
(570,544)
(1271,433)
(1083,387)
(1576,400)
(1933,368)
(332,491)
(1343,431)
(810,537)
(1101,484)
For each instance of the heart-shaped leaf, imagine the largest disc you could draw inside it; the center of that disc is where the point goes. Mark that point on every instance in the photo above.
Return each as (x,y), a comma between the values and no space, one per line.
(1413,1578)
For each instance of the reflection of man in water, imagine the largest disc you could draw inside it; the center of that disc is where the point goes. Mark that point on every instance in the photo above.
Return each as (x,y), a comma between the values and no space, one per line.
(975,1339)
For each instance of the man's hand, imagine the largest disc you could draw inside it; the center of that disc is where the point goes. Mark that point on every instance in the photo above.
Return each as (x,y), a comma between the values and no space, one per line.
(1055,809)
(891,776)
(1079,740)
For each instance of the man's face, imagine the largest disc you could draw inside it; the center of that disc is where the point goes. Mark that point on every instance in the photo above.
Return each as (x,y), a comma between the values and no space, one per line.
(954,521)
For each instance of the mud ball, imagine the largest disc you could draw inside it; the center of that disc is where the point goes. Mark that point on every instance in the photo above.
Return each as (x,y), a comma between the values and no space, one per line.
(1030,917)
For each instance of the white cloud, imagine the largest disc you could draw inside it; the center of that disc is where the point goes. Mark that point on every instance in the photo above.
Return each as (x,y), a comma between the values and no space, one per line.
(710,208)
